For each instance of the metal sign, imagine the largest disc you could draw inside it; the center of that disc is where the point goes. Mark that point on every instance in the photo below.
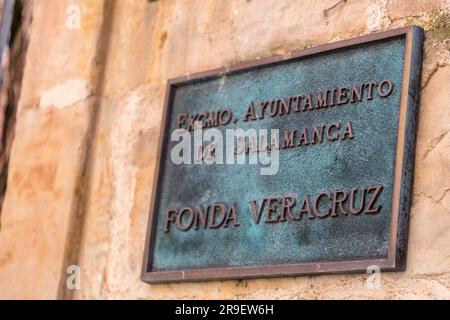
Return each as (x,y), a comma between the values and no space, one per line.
(288,165)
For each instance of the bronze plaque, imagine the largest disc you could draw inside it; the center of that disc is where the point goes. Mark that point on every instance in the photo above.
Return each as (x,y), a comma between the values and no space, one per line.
(324,187)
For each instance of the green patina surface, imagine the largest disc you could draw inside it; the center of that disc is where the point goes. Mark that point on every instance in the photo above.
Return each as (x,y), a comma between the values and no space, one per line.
(365,160)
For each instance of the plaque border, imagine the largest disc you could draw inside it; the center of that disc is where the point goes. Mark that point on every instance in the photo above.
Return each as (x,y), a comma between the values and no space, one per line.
(403,174)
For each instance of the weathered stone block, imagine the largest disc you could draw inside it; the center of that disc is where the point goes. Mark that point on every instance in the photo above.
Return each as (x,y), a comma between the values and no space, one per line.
(400,8)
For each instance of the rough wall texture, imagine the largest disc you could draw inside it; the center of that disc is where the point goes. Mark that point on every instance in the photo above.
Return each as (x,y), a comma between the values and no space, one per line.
(83,159)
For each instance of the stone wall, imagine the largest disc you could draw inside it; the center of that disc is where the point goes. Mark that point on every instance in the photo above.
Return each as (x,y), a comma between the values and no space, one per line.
(83,158)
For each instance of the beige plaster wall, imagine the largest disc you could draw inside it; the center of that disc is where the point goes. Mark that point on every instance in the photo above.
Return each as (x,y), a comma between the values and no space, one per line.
(83,158)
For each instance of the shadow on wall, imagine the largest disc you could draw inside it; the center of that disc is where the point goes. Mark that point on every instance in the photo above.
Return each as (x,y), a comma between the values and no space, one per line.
(15,27)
